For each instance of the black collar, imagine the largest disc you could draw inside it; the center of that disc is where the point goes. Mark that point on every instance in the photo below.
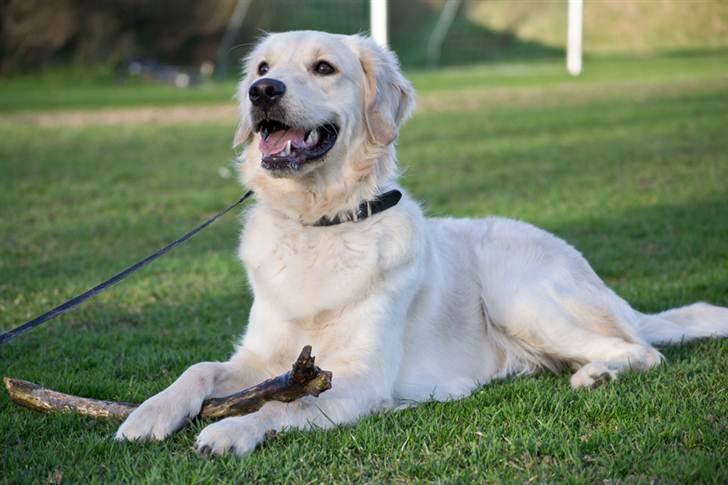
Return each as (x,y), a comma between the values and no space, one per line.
(367,208)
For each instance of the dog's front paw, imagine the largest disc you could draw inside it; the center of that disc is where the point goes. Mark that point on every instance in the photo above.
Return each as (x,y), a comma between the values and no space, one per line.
(232,435)
(157,417)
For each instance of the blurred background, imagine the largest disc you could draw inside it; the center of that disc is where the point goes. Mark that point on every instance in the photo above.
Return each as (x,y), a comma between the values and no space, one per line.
(40,34)
(81,53)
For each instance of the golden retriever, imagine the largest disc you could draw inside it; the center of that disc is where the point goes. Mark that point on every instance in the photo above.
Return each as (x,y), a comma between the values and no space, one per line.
(401,308)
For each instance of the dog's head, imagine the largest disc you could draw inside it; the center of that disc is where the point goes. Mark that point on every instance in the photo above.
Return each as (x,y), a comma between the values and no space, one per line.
(319,106)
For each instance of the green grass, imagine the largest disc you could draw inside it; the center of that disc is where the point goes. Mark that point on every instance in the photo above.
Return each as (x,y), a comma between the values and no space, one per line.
(639,183)
(95,88)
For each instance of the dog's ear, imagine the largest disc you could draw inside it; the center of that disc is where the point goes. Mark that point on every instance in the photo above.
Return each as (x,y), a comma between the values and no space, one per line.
(389,98)
(244,131)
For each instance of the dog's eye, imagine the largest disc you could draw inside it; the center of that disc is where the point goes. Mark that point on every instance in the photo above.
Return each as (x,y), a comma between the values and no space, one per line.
(263,68)
(323,68)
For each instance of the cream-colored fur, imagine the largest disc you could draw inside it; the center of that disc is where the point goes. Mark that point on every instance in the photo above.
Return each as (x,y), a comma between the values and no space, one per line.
(401,308)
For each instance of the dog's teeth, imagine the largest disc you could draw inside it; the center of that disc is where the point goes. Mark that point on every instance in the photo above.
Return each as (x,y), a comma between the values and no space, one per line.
(286,151)
(312,137)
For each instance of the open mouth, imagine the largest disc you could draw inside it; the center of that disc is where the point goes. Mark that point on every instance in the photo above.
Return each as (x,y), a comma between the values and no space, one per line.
(286,148)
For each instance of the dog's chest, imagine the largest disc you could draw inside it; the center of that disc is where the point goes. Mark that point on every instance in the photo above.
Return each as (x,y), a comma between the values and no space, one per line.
(306,271)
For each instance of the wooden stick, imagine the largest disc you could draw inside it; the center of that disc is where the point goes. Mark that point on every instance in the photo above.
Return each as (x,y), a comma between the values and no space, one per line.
(304,379)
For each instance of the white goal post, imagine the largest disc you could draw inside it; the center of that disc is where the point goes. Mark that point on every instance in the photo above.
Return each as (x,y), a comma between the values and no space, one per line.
(574,34)
(378,21)
(378,30)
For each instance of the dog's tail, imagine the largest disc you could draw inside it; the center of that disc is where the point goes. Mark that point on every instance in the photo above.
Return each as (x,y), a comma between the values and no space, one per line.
(685,323)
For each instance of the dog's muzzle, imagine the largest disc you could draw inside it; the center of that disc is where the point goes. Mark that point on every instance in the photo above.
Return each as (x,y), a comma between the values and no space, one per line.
(285,148)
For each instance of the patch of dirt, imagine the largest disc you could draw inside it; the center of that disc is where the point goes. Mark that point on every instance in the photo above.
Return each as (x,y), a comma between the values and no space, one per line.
(482,99)
(471,99)
(189,114)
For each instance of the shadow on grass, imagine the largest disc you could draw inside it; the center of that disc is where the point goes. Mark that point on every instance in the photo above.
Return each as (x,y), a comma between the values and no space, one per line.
(681,247)
(666,242)
(466,42)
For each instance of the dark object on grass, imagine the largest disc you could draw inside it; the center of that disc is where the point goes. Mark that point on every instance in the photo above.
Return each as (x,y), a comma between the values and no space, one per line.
(304,379)
(160,73)
(5,337)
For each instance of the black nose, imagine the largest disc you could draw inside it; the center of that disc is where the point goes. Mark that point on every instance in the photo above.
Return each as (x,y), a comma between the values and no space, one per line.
(266,91)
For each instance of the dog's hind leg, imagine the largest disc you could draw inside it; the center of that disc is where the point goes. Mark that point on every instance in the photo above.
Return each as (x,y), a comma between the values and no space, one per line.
(598,356)
(623,356)
(687,323)
(543,296)
(588,329)
(603,341)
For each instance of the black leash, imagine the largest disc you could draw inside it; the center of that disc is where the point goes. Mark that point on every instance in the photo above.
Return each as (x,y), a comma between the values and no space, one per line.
(363,211)
(77,300)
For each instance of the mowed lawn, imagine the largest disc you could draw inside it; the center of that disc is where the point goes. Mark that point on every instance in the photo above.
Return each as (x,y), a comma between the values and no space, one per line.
(629,163)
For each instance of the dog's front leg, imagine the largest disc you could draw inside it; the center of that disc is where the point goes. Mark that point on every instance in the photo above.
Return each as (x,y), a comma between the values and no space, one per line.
(164,413)
(364,359)
(349,399)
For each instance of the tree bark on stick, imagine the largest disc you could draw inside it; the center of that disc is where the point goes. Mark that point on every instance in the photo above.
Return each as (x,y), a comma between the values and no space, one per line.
(304,379)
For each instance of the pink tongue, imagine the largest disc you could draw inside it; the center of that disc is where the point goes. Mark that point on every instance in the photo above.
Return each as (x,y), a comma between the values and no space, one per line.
(277,141)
